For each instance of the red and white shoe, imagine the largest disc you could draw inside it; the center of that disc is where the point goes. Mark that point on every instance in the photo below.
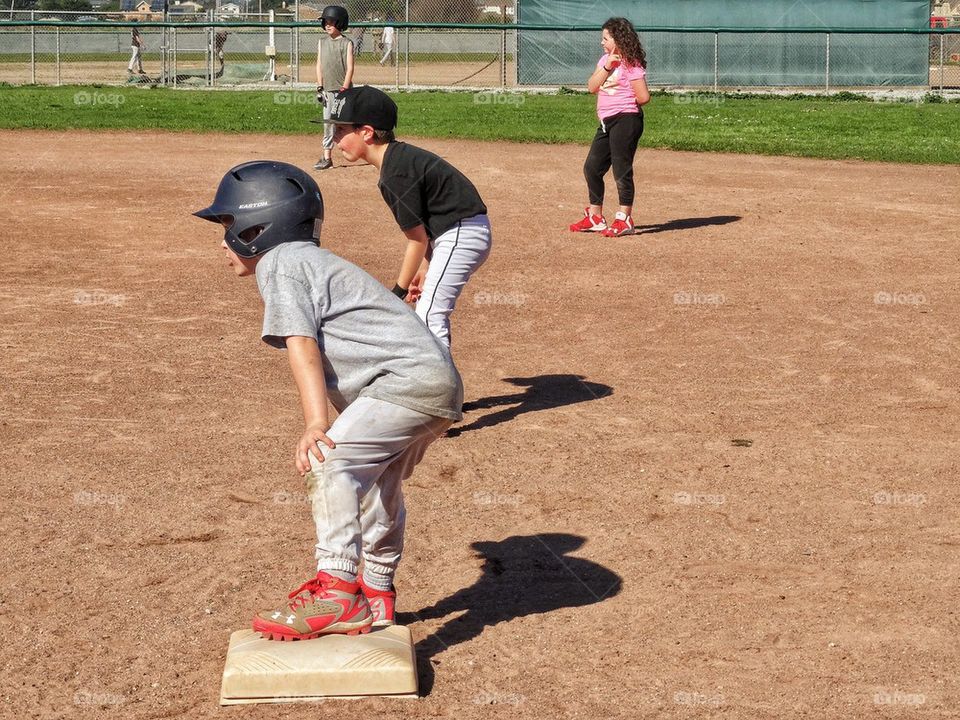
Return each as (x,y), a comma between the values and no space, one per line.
(589,223)
(321,606)
(382,604)
(622,225)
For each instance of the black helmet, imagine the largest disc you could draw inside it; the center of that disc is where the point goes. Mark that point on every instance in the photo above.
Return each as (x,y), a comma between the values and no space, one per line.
(267,203)
(337,15)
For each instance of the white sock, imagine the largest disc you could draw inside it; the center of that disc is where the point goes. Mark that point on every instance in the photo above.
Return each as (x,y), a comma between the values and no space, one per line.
(377,581)
(349,577)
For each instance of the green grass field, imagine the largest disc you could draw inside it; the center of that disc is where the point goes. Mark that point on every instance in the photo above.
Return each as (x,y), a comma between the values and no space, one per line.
(838,127)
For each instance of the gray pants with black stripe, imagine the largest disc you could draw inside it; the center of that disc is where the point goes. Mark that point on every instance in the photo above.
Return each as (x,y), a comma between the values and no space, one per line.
(457,254)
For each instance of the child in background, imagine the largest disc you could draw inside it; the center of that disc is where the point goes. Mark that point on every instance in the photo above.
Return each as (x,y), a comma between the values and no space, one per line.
(619,82)
(334,70)
(137,46)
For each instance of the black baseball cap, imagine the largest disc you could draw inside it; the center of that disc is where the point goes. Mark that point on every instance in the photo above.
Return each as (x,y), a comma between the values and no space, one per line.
(363,105)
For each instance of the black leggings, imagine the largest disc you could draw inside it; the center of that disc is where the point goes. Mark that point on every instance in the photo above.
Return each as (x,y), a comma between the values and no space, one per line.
(615,144)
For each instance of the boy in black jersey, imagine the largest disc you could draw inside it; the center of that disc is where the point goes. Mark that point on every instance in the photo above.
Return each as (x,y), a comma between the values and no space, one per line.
(435,205)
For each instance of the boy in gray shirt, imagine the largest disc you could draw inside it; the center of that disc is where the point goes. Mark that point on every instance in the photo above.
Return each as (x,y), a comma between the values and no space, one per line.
(334,69)
(351,342)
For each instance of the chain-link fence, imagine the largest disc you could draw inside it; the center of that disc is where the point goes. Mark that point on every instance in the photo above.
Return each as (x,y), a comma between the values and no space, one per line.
(231,47)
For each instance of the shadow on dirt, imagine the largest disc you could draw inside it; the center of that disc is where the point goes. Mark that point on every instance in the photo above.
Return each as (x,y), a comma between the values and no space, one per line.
(542,393)
(686,224)
(522,575)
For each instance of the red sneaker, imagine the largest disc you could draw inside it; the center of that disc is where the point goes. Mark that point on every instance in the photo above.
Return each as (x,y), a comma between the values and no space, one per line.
(622,225)
(589,223)
(382,604)
(321,606)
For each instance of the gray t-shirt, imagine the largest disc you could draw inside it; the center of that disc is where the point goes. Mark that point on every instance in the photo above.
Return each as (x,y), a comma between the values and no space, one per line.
(373,344)
(333,60)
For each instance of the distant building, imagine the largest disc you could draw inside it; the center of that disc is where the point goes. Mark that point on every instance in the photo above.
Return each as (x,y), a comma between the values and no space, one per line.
(230,8)
(185,8)
(142,9)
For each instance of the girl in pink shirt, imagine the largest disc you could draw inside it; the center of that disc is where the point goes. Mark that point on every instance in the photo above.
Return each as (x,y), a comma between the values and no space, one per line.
(620,84)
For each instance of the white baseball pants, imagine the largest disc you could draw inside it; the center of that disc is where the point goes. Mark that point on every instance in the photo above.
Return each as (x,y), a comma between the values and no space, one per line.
(135,59)
(328,128)
(457,254)
(356,491)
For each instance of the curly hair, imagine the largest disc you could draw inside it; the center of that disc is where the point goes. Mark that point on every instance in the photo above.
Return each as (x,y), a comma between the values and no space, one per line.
(628,43)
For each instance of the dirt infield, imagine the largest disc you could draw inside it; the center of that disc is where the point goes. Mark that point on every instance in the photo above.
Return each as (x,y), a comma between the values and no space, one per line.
(710,469)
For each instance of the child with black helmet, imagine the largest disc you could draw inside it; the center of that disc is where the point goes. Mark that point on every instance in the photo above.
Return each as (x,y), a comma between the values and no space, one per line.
(351,343)
(335,54)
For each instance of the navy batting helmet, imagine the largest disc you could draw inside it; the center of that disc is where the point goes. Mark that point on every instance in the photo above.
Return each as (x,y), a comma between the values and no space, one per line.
(265,203)
(336,15)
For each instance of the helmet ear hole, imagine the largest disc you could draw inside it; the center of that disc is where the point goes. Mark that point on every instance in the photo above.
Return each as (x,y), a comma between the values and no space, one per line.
(248,235)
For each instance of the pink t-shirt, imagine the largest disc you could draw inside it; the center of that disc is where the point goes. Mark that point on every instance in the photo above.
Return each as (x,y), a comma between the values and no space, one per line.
(615,95)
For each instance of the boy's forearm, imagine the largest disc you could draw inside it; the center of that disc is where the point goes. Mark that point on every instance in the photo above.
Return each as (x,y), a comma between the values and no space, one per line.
(413,257)
(306,364)
(348,78)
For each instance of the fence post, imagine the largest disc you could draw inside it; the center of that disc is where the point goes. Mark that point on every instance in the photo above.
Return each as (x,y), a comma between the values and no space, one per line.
(173,58)
(516,45)
(503,59)
(211,35)
(33,50)
(406,46)
(716,62)
(827,76)
(295,70)
(291,53)
(58,56)
(941,63)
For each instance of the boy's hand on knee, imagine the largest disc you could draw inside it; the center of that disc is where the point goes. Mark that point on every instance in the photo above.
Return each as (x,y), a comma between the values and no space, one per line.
(309,445)
(415,289)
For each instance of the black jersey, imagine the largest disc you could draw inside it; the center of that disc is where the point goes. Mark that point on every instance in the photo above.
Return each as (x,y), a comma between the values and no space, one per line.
(424,189)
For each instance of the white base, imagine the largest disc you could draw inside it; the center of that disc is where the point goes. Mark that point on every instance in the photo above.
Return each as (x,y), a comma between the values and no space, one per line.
(381,662)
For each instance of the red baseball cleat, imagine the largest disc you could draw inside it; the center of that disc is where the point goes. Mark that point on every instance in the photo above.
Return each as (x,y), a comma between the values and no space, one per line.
(321,606)
(622,225)
(382,604)
(589,223)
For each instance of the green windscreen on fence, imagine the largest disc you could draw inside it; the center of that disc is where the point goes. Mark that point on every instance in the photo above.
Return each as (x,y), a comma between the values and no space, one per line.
(731,58)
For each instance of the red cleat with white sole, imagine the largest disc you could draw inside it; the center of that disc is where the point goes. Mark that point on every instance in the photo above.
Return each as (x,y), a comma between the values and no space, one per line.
(622,225)
(382,604)
(322,606)
(589,223)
